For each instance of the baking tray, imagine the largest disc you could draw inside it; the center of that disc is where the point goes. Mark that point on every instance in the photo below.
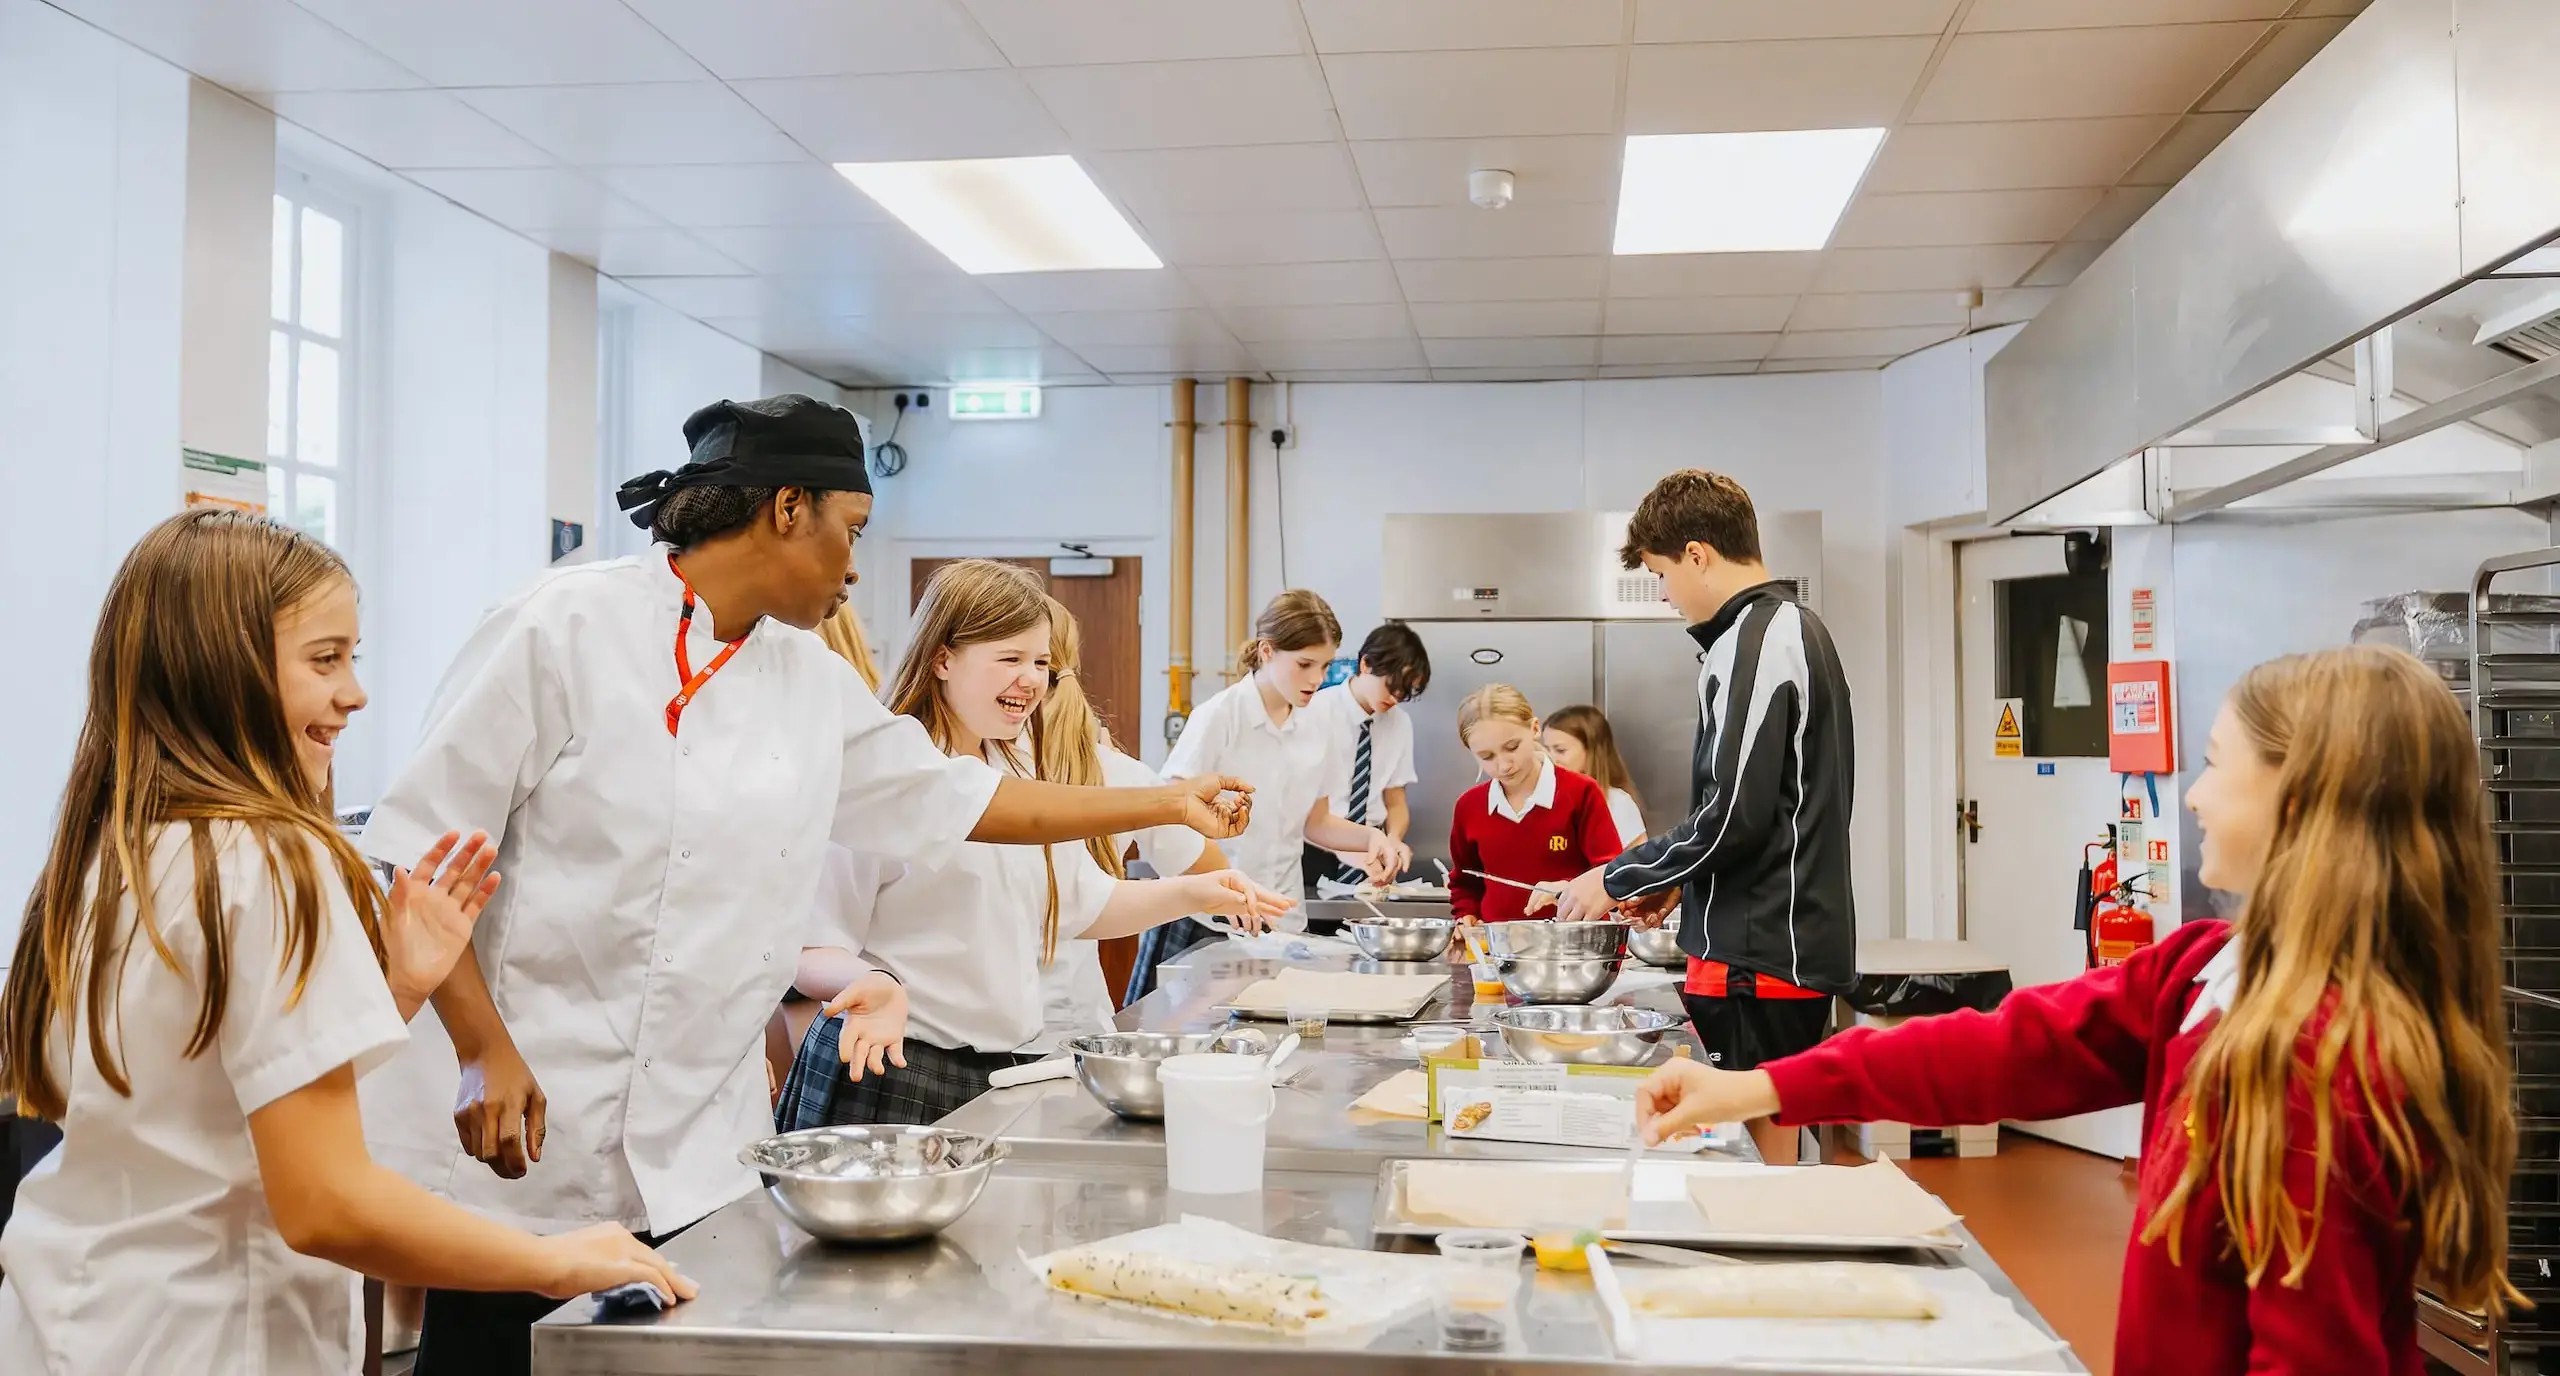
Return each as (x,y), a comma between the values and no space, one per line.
(1379,1019)
(1661,1211)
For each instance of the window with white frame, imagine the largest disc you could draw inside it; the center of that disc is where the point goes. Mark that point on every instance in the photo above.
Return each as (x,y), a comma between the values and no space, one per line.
(311,369)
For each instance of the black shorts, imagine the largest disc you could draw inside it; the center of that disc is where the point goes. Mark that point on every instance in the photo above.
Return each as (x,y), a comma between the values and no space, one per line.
(1747,1033)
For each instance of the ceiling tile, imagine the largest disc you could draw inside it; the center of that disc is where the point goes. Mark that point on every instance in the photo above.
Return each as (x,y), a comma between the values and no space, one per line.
(772,193)
(739,39)
(1522,231)
(2089,14)
(2295,42)
(668,122)
(1349,283)
(1727,21)
(799,298)
(838,336)
(2011,306)
(2116,211)
(1266,177)
(2068,73)
(2185,145)
(1864,364)
(909,116)
(1701,88)
(1340,354)
(1924,269)
(1365,26)
(641,252)
(1878,310)
(1433,172)
(1505,319)
(1292,324)
(1007,363)
(404,130)
(512,43)
(2064,264)
(1486,94)
(937,335)
(2013,155)
(536,198)
(1568,351)
(1711,274)
(826,250)
(1235,240)
(1925,219)
(1729,368)
(1053,292)
(1188,104)
(1699,314)
(1078,329)
(1686,348)
(253,46)
(1045,33)
(1358,375)
(1503,279)
(1156,358)
(1515,373)
(1891,343)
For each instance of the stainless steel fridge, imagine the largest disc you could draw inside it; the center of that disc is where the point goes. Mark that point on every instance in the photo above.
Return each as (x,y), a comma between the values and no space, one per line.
(1538,601)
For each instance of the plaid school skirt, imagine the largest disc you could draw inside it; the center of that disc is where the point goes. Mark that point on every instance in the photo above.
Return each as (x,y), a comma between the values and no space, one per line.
(933,1084)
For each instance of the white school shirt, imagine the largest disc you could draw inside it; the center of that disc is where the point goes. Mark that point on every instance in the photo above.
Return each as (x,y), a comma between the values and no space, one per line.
(1077,1000)
(1629,817)
(143,1242)
(1287,763)
(657,888)
(1390,750)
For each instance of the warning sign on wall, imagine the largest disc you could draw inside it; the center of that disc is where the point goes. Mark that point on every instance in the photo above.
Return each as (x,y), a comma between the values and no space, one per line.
(2137,707)
(2008,736)
(2145,629)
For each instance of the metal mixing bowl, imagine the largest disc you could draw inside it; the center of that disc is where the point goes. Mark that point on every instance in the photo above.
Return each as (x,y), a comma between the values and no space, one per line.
(1119,1068)
(880,1183)
(1401,938)
(1557,940)
(1658,946)
(1570,979)
(1583,1035)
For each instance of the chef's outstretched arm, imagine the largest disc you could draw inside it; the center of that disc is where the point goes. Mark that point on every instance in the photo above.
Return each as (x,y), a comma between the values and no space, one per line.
(1027,812)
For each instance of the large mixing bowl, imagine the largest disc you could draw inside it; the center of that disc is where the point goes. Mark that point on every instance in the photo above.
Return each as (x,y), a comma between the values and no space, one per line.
(1570,1035)
(1659,946)
(880,1183)
(1119,1068)
(1569,979)
(1557,940)
(1401,938)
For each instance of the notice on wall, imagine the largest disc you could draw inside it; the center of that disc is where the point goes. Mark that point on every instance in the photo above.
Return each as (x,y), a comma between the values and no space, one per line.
(221,480)
(2137,707)
(2008,732)
(2145,633)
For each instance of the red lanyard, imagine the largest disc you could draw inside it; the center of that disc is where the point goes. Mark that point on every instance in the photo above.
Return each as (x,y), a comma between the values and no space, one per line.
(684,662)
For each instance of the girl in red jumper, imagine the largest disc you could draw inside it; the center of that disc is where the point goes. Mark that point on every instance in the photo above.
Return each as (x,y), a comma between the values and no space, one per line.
(2323,1080)
(1529,821)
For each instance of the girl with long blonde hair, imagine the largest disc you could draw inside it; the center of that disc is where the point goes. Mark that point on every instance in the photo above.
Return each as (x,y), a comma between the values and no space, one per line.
(205,968)
(2326,1121)
(951,951)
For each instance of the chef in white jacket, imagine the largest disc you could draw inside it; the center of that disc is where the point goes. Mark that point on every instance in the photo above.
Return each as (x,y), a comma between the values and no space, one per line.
(671,752)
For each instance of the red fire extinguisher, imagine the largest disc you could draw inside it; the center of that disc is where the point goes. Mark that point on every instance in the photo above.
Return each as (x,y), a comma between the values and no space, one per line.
(2112,916)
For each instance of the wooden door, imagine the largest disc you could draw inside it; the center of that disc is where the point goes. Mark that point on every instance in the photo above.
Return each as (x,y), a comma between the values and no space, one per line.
(1106,611)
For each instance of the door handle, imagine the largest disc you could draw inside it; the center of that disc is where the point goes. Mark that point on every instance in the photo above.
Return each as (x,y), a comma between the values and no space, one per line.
(1969,817)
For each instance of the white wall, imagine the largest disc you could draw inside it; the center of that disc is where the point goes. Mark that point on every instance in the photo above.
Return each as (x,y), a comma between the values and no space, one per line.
(230,191)
(572,402)
(658,367)
(93,152)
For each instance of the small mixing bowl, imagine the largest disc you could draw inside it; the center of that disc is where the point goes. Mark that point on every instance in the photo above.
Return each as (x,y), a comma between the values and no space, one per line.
(879,1183)
(1557,940)
(1657,946)
(1570,979)
(1581,1035)
(1401,938)
(1119,1068)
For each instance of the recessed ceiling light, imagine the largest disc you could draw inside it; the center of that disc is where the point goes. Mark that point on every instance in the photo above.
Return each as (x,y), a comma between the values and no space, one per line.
(1739,193)
(1006,214)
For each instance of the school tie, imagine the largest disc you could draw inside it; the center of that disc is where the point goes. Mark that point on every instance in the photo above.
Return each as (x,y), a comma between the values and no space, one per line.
(1358,807)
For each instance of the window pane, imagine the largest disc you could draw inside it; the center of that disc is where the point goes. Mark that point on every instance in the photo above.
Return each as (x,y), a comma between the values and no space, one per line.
(279,395)
(280,269)
(276,504)
(315,406)
(315,507)
(324,273)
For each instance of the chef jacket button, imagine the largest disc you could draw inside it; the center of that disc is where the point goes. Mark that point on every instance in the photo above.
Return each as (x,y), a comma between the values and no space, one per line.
(685,750)
(684,855)
(786,852)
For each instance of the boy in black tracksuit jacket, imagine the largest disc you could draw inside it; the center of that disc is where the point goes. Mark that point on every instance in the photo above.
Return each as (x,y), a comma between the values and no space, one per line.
(1761,865)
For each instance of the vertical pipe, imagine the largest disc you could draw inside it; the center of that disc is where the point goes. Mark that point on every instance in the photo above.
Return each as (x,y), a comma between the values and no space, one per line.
(1239,488)
(1185,426)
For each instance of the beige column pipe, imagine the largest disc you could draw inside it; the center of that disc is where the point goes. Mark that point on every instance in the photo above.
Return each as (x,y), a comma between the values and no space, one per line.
(1239,491)
(1185,426)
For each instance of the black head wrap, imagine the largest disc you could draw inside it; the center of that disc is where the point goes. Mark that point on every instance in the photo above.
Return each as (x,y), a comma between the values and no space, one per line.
(784,441)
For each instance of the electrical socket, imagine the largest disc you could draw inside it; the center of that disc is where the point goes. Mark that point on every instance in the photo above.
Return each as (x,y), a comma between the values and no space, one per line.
(1282,437)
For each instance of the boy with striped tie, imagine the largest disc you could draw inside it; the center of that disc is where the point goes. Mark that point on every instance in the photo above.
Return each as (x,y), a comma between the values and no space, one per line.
(1376,764)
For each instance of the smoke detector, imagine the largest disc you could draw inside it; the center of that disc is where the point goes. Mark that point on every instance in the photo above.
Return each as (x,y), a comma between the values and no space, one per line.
(1489,188)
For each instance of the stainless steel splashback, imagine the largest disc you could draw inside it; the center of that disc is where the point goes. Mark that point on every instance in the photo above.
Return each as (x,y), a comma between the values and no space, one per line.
(1555,566)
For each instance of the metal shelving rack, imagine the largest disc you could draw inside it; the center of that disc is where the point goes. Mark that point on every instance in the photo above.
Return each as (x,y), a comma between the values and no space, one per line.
(2514,693)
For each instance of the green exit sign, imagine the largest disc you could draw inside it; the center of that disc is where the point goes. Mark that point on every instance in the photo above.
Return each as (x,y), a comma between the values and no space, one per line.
(995,403)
